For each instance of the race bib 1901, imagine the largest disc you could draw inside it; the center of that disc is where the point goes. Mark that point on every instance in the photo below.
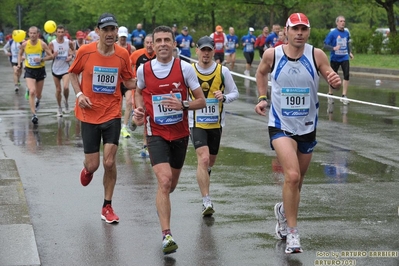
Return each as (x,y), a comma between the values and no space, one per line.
(295,101)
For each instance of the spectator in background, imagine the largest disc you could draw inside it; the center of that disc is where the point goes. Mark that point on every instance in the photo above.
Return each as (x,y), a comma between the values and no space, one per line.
(260,43)
(138,36)
(184,42)
(1,37)
(232,45)
(273,36)
(174,29)
(220,41)
(248,41)
(281,39)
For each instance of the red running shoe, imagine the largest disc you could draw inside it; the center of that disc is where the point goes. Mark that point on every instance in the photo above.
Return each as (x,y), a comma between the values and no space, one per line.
(85,177)
(108,215)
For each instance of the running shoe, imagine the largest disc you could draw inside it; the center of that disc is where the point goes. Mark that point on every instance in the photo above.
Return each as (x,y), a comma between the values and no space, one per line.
(16,88)
(108,215)
(281,226)
(59,112)
(144,153)
(207,209)
(35,120)
(344,100)
(330,100)
(37,105)
(132,125)
(168,245)
(66,107)
(85,177)
(293,244)
(27,94)
(125,133)
(330,108)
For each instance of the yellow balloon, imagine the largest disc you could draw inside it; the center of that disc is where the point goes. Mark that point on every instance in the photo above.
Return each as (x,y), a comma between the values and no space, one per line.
(18,35)
(50,26)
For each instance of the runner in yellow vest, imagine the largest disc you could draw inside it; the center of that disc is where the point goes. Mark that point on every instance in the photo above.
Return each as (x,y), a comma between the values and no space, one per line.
(36,52)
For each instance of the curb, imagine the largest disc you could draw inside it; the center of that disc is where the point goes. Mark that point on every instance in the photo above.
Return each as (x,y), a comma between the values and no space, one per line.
(16,230)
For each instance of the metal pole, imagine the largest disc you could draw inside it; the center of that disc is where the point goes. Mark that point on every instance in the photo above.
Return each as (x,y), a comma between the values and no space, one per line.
(19,16)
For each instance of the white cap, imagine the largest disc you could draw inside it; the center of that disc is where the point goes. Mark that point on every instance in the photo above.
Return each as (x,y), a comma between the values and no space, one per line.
(122,32)
(251,29)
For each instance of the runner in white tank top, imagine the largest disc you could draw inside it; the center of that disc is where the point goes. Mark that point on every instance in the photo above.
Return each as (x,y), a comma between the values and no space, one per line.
(63,51)
(295,69)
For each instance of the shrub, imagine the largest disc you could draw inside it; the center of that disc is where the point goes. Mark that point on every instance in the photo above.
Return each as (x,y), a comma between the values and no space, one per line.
(377,43)
(393,44)
(360,41)
(317,37)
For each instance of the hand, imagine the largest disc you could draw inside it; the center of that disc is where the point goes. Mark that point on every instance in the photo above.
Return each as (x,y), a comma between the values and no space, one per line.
(84,102)
(333,80)
(336,48)
(260,108)
(138,116)
(172,102)
(218,95)
(69,58)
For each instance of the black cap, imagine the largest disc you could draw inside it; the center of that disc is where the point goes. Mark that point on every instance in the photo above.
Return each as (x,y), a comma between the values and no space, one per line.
(107,19)
(205,41)
(185,28)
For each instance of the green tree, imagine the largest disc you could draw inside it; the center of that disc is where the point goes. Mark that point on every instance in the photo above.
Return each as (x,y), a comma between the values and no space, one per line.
(389,5)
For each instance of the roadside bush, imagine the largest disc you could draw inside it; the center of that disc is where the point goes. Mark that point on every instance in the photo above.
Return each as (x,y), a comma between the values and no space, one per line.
(393,44)
(317,37)
(360,41)
(377,43)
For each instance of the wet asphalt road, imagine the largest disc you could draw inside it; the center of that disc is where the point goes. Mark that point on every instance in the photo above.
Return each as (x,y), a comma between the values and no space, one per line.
(349,202)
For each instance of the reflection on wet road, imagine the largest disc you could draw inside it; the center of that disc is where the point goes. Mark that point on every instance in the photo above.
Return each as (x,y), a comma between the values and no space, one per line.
(349,201)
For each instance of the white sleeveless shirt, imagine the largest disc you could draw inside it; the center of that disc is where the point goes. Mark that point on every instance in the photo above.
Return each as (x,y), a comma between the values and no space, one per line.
(59,65)
(295,104)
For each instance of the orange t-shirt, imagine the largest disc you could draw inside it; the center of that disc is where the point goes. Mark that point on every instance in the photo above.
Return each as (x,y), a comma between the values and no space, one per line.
(139,57)
(101,78)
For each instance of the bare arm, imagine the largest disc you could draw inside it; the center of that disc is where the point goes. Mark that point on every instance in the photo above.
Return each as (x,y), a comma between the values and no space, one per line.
(325,69)
(21,54)
(261,79)
(130,84)
(49,54)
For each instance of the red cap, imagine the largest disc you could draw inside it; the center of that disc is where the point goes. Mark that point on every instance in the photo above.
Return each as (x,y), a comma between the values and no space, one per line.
(219,28)
(80,35)
(297,19)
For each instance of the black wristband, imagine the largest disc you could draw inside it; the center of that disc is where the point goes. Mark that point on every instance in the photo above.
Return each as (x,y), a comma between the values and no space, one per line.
(262,99)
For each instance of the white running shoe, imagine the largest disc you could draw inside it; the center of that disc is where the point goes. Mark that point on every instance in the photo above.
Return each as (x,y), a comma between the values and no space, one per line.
(59,112)
(293,244)
(344,100)
(168,245)
(207,209)
(330,100)
(281,226)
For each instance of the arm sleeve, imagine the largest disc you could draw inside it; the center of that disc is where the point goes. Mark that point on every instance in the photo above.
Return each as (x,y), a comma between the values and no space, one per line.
(140,77)
(6,47)
(231,91)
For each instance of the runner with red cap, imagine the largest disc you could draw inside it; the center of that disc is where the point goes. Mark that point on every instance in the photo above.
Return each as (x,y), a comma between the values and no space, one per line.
(294,70)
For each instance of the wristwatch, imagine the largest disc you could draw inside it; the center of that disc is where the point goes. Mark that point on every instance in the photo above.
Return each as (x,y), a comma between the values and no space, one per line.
(186,104)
